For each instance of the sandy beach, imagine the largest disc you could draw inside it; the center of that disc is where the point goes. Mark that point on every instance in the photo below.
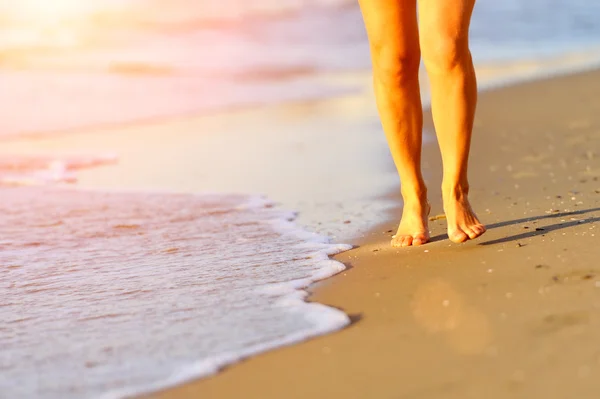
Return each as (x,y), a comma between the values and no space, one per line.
(514,314)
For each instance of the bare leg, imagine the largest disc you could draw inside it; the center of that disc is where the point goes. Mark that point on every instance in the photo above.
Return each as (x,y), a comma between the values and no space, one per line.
(444,26)
(394,39)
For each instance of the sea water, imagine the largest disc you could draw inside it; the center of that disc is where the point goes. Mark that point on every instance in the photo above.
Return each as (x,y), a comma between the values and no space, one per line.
(107,294)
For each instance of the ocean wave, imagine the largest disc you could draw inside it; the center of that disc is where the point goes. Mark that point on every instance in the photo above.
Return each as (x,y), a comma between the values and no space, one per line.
(230,272)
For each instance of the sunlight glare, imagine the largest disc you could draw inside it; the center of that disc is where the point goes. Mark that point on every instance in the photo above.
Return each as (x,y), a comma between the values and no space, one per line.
(48,10)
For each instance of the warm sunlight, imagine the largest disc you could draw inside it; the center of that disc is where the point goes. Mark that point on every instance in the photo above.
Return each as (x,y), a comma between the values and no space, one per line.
(49,21)
(47,10)
(53,11)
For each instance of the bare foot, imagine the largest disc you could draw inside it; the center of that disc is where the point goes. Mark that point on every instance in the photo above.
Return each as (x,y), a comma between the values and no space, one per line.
(413,229)
(463,224)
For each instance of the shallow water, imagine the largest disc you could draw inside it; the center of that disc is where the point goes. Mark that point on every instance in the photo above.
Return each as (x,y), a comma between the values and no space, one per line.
(125,292)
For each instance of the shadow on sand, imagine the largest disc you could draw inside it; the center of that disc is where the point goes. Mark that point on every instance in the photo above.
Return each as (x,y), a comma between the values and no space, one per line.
(533,231)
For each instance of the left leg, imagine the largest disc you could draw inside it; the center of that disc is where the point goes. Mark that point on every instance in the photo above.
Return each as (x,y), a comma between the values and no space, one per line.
(444,37)
(394,43)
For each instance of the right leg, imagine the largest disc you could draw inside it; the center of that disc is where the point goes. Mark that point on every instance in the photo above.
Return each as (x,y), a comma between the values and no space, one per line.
(394,40)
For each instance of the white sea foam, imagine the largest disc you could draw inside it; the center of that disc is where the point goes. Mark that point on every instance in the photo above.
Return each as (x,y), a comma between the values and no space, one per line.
(108,295)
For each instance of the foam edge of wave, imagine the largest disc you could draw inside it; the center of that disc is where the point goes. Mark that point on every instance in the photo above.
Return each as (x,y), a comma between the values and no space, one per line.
(291,295)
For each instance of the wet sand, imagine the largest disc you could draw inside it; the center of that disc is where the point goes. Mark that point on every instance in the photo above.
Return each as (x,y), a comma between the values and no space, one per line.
(514,314)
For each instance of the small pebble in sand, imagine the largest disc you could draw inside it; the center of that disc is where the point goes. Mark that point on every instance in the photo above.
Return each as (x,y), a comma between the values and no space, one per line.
(347,221)
(490,270)
(426,250)
(446,303)
(509,295)
(437,217)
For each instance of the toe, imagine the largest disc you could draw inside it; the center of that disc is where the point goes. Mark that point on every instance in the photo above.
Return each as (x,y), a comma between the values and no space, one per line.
(458,236)
(478,230)
(407,242)
(472,232)
(419,239)
(399,241)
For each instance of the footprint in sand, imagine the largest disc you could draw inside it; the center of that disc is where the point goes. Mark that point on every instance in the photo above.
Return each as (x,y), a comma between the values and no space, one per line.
(557,322)
(575,276)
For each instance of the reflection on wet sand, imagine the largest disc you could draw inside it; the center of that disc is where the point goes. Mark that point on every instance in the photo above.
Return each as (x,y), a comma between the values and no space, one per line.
(439,308)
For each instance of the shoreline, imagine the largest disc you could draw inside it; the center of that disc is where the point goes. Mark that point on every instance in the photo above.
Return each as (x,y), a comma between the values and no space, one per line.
(488,315)
(348,84)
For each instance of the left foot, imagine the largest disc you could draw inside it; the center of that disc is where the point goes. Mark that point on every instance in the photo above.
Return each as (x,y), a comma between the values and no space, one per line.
(463,224)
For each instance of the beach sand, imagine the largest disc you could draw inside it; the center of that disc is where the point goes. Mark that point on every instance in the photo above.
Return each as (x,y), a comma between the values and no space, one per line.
(514,314)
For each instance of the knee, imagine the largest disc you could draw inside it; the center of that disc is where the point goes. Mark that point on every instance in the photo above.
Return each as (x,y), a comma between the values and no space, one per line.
(395,67)
(443,52)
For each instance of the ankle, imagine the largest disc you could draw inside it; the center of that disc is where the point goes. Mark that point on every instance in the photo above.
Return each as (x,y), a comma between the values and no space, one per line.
(415,197)
(455,191)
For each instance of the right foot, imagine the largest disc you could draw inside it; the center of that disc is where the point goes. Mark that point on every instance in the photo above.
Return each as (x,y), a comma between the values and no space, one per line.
(463,224)
(413,229)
